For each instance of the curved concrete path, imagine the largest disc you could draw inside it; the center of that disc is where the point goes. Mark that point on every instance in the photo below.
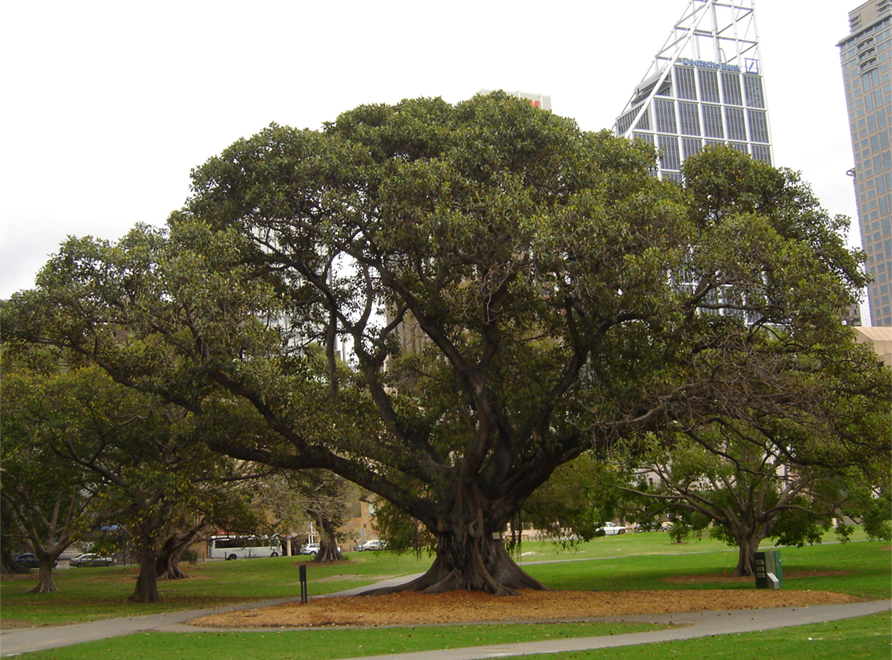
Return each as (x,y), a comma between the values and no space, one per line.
(702,624)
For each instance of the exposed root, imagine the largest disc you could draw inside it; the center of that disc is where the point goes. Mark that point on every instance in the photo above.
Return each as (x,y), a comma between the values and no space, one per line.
(506,580)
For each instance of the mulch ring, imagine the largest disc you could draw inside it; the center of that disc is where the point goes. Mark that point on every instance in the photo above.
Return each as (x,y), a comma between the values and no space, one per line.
(458,607)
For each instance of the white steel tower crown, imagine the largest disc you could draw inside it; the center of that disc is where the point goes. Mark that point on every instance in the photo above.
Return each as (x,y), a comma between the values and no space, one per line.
(704,87)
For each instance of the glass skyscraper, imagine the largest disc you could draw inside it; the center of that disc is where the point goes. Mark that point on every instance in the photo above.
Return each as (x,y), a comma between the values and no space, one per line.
(865,56)
(704,87)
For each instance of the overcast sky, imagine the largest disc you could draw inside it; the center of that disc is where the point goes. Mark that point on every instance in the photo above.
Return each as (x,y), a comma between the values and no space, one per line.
(107,106)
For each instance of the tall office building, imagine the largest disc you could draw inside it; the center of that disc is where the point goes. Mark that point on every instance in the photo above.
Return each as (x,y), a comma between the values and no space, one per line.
(704,87)
(865,56)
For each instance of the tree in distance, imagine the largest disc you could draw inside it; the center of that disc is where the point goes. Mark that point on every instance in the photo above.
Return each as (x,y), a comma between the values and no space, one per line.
(750,490)
(514,292)
(48,500)
(324,498)
(80,451)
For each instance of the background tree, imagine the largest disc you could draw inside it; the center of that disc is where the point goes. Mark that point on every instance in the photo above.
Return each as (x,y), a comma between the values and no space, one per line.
(76,428)
(402,532)
(49,501)
(778,473)
(286,498)
(8,541)
(573,506)
(515,292)
(324,500)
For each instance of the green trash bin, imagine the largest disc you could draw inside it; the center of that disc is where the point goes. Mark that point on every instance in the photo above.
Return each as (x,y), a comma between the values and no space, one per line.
(769,570)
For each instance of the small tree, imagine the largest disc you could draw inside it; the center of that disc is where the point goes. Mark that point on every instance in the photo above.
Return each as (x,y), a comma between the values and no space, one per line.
(78,428)
(324,500)
(46,498)
(285,497)
(777,475)
(576,502)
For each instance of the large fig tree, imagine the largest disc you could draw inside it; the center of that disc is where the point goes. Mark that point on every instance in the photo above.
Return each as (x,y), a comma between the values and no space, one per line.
(508,292)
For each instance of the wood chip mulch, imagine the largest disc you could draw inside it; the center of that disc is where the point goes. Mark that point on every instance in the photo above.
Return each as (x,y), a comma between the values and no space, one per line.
(409,609)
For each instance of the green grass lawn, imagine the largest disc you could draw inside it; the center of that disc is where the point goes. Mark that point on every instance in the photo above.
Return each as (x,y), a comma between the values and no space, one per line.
(865,568)
(90,594)
(863,638)
(853,639)
(325,644)
(629,562)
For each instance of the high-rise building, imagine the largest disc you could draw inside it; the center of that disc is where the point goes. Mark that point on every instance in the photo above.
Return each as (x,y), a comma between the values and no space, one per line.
(866,56)
(704,87)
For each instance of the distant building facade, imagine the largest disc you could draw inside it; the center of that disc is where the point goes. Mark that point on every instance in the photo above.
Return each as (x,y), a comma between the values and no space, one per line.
(703,88)
(879,339)
(865,56)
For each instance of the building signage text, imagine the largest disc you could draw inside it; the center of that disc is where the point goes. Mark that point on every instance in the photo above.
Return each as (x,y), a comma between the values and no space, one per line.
(700,64)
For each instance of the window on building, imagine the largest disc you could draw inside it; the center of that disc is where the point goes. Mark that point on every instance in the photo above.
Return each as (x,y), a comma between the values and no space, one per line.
(624,123)
(670,158)
(762,153)
(755,98)
(665,114)
(690,147)
(644,120)
(735,123)
(690,118)
(685,83)
(731,88)
(712,121)
(709,85)
(758,125)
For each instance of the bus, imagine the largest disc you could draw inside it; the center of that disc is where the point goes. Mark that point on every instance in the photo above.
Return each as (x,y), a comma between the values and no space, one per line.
(231,547)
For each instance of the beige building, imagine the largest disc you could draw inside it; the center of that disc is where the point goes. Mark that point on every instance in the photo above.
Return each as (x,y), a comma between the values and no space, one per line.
(880,340)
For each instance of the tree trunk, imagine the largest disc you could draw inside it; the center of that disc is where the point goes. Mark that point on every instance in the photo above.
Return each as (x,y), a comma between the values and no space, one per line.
(146,590)
(473,563)
(167,566)
(45,584)
(746,555)
(8,565)
(328,541)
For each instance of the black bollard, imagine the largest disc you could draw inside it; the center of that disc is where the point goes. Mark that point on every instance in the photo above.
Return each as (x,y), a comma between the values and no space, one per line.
(303,584)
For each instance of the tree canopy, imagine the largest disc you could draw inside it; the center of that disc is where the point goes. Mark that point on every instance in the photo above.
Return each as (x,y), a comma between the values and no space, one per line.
(512,292)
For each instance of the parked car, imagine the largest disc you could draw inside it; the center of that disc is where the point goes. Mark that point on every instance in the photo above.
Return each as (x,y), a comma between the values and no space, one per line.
(91,559)
(610,529)
(377,544)
(29,560)
(311,549)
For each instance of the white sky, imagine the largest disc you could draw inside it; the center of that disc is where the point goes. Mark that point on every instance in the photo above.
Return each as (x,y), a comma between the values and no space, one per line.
(108,105)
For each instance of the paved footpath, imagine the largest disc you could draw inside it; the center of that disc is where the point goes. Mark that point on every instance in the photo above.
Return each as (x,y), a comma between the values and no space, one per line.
(702,624)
